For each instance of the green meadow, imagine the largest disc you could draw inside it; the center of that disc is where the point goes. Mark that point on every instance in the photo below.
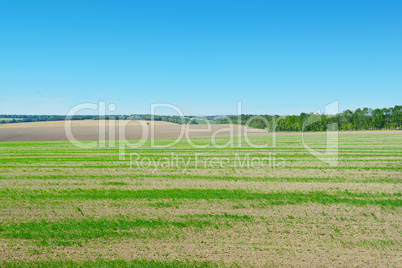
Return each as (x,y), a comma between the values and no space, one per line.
(182,206)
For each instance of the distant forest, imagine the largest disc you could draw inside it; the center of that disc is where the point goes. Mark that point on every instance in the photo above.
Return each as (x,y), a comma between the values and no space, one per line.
(360,119)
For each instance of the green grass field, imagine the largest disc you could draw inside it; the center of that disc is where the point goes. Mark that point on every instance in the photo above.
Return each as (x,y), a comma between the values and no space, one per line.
(207,207)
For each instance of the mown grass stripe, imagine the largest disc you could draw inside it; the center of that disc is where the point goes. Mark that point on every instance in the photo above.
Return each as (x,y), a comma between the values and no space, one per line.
(102,178)
(79,229)
(126,166)
(272,198)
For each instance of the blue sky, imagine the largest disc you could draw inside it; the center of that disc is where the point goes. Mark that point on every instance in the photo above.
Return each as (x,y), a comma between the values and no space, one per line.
(276,57)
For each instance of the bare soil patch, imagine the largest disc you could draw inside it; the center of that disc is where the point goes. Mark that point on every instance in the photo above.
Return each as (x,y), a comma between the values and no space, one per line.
(89,130)
(82,130)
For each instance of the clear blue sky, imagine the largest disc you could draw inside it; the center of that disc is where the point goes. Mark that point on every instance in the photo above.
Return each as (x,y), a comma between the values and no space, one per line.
(277,57)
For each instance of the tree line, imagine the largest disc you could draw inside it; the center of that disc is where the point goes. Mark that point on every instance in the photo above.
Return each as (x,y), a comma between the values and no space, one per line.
(360,119)
(15,118)
(9,119)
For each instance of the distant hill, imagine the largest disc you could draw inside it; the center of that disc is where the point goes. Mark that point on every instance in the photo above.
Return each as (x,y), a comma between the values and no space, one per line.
(360,119)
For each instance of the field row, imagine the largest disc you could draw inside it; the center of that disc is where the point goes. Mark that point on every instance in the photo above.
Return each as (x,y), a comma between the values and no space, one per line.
(62,205)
